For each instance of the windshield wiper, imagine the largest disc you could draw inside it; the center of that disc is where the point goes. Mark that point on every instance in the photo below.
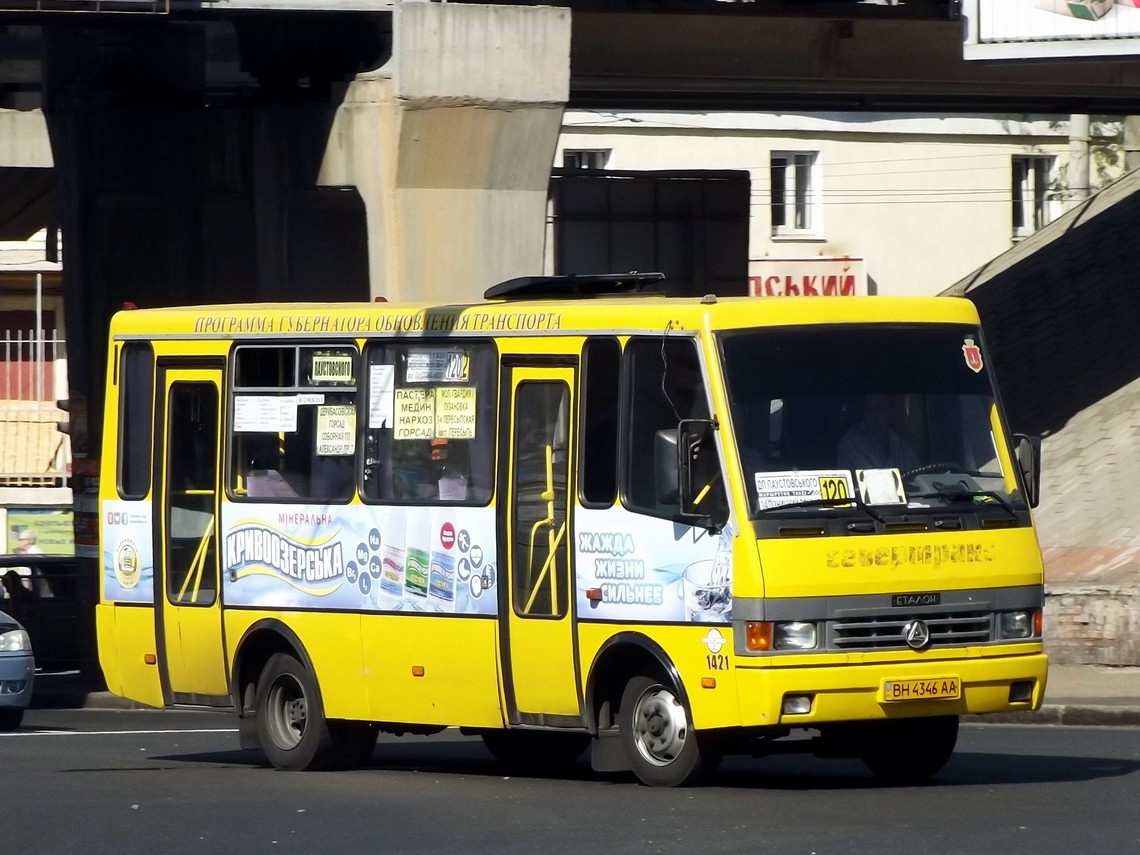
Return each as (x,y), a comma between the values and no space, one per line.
(828,503)
(969,494)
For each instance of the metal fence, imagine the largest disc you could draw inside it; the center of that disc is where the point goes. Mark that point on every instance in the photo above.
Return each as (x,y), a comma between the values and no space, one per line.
(34,452)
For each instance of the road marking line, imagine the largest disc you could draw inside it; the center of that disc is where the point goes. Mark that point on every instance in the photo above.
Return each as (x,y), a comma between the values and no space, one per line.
(114,732)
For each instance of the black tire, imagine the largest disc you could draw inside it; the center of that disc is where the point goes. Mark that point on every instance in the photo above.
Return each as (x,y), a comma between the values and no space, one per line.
(657,733)
(290,717)
(908,751)
(535,750)
(10,717)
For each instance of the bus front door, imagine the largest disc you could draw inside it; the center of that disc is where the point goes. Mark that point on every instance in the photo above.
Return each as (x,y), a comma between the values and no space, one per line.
(190,648)
(540,677)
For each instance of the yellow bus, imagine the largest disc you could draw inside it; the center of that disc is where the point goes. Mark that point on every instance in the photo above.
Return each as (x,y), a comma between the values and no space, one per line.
(578,515)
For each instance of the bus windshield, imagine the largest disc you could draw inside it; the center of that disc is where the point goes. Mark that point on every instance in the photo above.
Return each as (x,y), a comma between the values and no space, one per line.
(893,415)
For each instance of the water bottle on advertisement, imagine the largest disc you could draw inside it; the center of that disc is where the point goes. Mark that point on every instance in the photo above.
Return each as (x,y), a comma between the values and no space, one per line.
(441,580)
(416,552)
(722,576)
(393,528)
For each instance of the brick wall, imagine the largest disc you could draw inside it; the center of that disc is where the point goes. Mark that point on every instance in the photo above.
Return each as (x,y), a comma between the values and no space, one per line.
(1087,624)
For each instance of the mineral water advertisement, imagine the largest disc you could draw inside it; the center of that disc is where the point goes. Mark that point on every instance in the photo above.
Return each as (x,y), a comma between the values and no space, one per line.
(636,568)
(354,558)
(128,552)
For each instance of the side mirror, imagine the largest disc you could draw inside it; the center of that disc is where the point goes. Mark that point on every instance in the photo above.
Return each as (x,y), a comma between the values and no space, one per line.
(665,466)
(1029,461)
(701,488)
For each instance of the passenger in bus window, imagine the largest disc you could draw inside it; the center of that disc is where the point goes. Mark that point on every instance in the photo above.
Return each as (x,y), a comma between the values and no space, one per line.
(332,477)
(871,443)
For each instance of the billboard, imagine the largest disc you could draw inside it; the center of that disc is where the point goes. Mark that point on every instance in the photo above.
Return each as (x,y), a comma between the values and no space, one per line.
(1036,29)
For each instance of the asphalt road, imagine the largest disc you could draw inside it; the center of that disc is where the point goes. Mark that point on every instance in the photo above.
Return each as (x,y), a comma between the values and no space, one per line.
(169,782)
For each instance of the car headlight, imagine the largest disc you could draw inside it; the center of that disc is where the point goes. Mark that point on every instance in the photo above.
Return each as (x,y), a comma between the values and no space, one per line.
(1017,624)
(794,635)
(15,641)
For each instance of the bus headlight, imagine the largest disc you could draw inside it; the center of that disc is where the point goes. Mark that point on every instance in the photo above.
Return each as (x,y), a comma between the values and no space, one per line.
(1017,624)
(794,635)
(15,641)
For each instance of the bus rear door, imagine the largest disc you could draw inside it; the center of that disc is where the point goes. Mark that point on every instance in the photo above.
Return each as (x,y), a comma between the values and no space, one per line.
(187,604)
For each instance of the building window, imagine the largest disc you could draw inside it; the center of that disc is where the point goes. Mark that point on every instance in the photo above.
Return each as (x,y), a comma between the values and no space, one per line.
(1031,177)
(585,158)
(795,193)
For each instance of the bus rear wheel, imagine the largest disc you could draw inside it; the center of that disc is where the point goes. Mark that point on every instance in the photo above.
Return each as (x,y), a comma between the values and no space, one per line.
(910,750)
(290,717)
(657,733)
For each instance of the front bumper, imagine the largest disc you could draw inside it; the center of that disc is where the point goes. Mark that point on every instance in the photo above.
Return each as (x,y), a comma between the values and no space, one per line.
(17,673)
(855,692)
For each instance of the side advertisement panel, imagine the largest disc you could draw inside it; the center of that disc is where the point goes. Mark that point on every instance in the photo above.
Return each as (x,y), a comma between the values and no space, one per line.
(360,558)
(632,567)
(128,552)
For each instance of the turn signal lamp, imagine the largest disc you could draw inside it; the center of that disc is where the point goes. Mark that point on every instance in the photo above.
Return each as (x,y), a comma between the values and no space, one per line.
(758,635)
(1038,623)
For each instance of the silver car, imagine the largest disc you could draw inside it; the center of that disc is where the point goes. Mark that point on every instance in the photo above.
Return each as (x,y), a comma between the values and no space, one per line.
(17,669)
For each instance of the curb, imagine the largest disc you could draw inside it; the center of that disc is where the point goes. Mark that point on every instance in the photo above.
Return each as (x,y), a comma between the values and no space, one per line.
(1069,714)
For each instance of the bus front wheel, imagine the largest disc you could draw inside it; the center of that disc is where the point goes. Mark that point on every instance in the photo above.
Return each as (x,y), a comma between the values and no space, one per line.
(656,730)
(290,717)
(910,750)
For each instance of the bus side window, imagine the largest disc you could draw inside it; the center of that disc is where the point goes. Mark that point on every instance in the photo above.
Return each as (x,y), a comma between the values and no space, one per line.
(294,412)
(429,424)
(601,386)
(136,419)
(666,385)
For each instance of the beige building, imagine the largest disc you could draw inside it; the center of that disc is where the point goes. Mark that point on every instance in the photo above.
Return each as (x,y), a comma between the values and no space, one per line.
(921,200)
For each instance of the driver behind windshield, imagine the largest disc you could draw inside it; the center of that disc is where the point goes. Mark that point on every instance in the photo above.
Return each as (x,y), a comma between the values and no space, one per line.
(871,443)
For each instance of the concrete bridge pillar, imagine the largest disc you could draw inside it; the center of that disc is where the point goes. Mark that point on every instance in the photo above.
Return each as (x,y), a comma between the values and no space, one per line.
(450,145)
